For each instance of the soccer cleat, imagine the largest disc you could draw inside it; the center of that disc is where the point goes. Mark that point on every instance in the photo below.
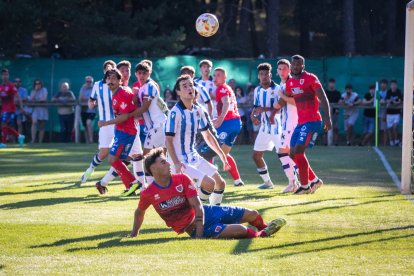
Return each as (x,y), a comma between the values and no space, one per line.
(131,190)
(20,140)
(303,190)
(274,226)
(267,185)
(239,183)
(101,189)
(87,174)
(292,187)
(316,184)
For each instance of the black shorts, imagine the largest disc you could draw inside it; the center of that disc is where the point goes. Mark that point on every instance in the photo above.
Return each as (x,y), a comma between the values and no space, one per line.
(87,116)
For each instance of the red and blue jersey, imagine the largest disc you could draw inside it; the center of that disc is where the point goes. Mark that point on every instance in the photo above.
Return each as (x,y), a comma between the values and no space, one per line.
(124,101)
(223,91)
(303,90)
(171,202)
(7,93)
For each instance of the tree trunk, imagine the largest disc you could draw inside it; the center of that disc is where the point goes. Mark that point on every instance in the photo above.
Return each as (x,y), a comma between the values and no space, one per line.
(246,9)
(304,28)
(230,18)
(391,26)
(272,28)
(348,25)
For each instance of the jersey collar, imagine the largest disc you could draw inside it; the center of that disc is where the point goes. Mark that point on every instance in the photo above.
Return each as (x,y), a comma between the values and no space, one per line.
(162,187)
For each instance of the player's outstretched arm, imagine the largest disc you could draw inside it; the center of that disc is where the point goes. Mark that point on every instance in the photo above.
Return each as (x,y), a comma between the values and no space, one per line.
(138,220)
(320,93)
(195,203)
(141,110)
(179,166)
(119,119)
(213,144)
(92,103)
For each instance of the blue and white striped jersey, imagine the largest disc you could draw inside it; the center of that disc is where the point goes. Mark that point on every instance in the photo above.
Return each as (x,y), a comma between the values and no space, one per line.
(154,117)
(266,98)
(288,114)
(208,85)
(203,95)
(102,94)
(183,125)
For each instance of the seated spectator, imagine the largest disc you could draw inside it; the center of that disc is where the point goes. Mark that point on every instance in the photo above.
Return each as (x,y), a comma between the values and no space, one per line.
(333,97)
(394,98)
(87,114)
(40,114)
(350,99)
(369,116)
(66,113)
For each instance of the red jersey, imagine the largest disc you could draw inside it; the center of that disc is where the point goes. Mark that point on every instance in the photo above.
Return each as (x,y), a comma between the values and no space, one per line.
(171,202)
(135,88)
(123,102)
(303,91)
(222,91)
(7,93)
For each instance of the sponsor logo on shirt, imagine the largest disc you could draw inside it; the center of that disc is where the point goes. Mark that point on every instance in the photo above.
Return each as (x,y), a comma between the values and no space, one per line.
(301,81)
(296,91)
(172,202)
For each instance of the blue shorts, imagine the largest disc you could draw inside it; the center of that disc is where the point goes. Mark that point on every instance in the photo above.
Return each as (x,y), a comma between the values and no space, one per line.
(216,219)
(122,144)
(8,118)
(369,124)
(305,134)
(228,131)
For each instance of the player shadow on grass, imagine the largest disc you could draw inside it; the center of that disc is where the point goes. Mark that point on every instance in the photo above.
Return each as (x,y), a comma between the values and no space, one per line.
(347,243)
(76,185)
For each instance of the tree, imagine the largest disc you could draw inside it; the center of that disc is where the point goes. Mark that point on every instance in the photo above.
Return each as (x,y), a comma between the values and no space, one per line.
(348,25)
(272,28)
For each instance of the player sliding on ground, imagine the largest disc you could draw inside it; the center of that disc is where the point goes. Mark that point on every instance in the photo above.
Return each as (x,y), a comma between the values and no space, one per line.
(175,199)
(307,92)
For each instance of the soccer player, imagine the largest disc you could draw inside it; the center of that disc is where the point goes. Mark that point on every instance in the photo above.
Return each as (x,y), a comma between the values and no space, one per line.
(102,97)
(8,92)
(124,67)
(174,198)
(206,80)
(183,121)
(203,96)
(123,102)
(307,92)
(269,137)
(228,122)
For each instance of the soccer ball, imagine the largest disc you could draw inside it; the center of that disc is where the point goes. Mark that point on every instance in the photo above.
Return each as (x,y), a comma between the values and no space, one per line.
(207,24)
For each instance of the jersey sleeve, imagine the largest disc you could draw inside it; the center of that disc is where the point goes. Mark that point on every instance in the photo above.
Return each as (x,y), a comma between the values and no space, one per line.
(203,121)
(314,82)
(256,100)
(189,189)
(151,92)
(144,201)
(203,94)
(94,93)
(173,121)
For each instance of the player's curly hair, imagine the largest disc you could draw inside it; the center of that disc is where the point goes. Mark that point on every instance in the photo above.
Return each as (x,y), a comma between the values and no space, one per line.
(151,158)
(264,67)
(113,71)
(187,68)
(143,66)
(123,63)
(180,79)
(111,62)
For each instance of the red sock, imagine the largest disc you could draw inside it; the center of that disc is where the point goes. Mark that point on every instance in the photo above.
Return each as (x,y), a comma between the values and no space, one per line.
(303,165)
(11,130)
(126,176)
(252,234)
(211,160)
(234,172)
(312,174)
(258,223)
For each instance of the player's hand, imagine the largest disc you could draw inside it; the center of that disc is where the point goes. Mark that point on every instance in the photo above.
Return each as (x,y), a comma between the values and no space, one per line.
(256,121)
(226,165)
(327,125)
(217,122)
(272,119)
(258,110)
(101,123)
(179,167)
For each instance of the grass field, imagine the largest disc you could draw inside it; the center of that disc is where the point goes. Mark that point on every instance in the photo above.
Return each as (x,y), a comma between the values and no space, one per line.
(357,223)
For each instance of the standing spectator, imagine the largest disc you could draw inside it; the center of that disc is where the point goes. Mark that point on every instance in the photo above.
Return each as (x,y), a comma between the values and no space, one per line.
(393,99)
(241,99)
(170,97)
(369,115)
(252,129)
(350,99)
(66,114)
(22,120)
(382,117)
(40,113)
(232,83)
(87,114)
(333,97)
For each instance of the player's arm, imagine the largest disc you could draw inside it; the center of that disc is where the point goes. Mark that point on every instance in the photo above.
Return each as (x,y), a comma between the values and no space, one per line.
(171,152)
(226,105)
(19,99)
(214,145)
(138,220)
(357,101)
(140,110)
(92,103)
(287,99)
(210,108)
(195,203)
(320,93)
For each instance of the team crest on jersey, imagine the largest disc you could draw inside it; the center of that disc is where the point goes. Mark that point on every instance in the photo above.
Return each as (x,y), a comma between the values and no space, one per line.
(179,188)
(173,115)
(223,135)
(303,128)
(123,105)
(218,228)
(301,81)
(114,101)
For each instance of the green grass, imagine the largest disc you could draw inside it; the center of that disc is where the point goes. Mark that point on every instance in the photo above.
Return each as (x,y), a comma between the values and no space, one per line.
(357,223)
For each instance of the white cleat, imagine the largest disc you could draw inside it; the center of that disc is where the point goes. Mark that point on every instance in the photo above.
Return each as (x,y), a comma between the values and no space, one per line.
(87,174)
(292,187)
(267,185)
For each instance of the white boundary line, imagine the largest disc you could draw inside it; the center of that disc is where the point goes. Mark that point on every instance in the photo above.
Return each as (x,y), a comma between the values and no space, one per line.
(392,174)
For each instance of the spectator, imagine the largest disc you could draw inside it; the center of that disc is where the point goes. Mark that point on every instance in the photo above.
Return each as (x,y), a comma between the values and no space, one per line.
(333,97)
(22,120)
(232,83)
(241,99)
(170,97)
(394,98)
(66,115)
(252,129)
(350,99)
(40,114)
(369,116)
(87,114)
(382,120)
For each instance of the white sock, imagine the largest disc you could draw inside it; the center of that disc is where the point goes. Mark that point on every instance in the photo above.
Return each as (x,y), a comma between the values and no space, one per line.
(109,176)
(216,197)
(286,165)
(204,195)
(138,168)
(264,174)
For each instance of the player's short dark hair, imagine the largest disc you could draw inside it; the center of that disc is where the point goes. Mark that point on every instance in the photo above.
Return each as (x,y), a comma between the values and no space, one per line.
(123,63)
(111,62)
(348,86)
(142,66)
(284,61)
(147,61)
(371,86)
(299,57)
(331,80)
(4,70)
(187,68)
(393,81)
(221,69)
(180,79)
(113,71)
(384,81)
(264,67)
(205,61)
(151,158)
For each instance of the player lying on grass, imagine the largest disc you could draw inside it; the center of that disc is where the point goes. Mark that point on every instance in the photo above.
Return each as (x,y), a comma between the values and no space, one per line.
(175,199)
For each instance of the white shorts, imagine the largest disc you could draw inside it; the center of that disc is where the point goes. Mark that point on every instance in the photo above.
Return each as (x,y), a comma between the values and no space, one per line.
(393,119)
(266,142)
(106,136)
(136,147)
(285,138)
(155,138)
(349,120)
